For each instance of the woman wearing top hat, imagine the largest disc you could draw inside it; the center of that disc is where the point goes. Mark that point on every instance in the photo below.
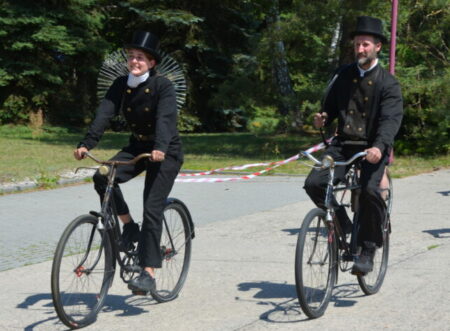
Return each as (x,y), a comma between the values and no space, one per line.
(367,103)
(148,103)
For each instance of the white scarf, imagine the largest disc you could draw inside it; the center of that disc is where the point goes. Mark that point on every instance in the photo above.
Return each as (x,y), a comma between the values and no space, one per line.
(134,81)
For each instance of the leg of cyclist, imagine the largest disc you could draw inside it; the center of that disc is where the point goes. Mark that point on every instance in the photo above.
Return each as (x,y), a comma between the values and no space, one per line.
(130,231)
(316,184)
(372,212)
(159,180)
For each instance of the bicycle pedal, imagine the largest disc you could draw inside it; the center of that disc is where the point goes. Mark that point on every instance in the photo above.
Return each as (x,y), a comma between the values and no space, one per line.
(139,292)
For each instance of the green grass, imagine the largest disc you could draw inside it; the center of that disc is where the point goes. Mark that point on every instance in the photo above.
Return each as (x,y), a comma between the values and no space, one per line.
(42,155)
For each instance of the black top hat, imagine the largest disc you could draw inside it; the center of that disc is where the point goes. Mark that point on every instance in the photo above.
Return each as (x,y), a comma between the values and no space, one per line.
(147,42)
(370,26)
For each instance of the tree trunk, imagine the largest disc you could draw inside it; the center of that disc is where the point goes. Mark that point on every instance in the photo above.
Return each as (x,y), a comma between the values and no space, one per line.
(287,100)
(36,119)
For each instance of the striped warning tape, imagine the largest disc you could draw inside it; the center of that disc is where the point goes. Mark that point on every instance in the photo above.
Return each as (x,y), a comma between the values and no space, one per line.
(272,165)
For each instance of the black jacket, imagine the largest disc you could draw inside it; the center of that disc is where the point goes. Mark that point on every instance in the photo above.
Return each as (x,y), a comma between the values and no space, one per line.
(371,106)
(150,109)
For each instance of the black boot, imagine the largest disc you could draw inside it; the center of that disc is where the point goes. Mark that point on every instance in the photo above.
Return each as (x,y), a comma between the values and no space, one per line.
(364,263)
(144,282)
(130,234)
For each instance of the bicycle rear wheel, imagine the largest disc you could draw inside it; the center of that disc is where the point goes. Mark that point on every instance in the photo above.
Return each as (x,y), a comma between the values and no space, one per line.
(315,264)
(176,252)
(371,282)
(82,272)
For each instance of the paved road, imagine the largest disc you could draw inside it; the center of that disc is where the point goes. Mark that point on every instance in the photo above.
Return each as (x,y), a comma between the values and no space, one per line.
(242,277)
(33,222)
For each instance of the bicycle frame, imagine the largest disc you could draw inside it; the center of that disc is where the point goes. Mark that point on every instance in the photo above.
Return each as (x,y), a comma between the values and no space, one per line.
(331,203)
(108,222)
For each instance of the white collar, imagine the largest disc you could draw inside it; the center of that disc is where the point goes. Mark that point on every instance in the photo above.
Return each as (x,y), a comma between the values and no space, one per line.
(134,81)
(362,71)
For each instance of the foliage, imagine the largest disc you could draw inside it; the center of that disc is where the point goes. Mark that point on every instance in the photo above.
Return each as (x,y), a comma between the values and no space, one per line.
(52,50)
(46,58)
(265,120)
(424,73)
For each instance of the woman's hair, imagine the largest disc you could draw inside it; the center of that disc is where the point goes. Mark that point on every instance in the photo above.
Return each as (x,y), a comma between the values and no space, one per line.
(147,55)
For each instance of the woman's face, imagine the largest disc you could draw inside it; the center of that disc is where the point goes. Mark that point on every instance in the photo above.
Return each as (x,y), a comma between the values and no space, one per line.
(138,62)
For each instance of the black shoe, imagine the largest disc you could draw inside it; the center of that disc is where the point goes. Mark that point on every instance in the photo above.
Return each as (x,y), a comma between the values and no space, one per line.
(364,263)
(130,234)
(144,282)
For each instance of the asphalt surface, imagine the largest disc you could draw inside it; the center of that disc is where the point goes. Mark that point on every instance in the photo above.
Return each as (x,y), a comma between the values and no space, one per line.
(242,267)
(33,222)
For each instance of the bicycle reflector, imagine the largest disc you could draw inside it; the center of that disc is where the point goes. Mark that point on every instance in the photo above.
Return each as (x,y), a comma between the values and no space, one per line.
(103,170)
(327,161)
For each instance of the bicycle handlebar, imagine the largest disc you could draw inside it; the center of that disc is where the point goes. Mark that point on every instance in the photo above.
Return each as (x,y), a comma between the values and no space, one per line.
(133,161)
(330,162)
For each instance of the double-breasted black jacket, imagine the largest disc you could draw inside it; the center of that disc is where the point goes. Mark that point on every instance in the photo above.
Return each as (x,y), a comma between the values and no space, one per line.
(368,108)
(150,110)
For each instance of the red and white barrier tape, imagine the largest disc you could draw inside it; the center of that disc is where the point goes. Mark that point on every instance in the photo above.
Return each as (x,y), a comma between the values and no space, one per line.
(272,165)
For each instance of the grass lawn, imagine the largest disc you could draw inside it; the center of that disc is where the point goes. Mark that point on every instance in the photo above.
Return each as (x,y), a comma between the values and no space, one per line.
(43,155)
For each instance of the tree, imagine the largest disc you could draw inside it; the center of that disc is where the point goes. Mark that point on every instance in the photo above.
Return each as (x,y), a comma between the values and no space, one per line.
(49,50)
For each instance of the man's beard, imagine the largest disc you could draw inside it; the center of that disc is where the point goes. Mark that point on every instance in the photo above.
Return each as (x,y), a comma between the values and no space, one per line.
(366,60)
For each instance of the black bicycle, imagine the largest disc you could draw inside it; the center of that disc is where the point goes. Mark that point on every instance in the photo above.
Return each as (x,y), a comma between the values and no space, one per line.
(322,246)
(85,258)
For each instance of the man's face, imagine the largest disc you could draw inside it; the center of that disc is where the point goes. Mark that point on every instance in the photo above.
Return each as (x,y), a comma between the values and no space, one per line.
(366,50)
(138,62)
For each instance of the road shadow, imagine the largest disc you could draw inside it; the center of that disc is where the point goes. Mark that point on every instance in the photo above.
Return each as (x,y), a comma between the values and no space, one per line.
(439,233)
(292,232)
(288,310)
(121,305)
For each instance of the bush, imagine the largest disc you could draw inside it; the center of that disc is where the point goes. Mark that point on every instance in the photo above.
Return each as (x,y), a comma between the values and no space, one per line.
(264,120)
(12,110)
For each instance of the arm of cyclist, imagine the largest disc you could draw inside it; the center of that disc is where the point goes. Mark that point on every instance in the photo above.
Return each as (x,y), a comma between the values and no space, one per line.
(166,119)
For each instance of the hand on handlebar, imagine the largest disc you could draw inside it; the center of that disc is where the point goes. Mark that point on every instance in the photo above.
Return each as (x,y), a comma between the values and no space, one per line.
(79,153)
(373,155)
(157,156)
(319,120)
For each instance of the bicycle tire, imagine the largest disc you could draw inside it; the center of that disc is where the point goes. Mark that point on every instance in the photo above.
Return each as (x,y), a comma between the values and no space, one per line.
(314,296)
(371,282)
(176,243)
(75,303)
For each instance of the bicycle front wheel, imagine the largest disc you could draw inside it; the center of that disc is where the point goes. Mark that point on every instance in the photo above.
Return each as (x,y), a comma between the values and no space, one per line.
(175,246)
(315,264)
(372,281)
(82,272)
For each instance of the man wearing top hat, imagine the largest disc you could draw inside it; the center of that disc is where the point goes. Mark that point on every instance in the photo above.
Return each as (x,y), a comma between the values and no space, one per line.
(367,103)
(148,104)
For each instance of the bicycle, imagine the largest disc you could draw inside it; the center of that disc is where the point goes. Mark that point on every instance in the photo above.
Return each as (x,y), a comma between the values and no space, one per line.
(322,246)
(85,259)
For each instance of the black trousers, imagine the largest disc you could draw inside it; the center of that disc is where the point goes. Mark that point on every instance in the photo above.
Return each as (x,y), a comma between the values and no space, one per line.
(372,207)
(159,180)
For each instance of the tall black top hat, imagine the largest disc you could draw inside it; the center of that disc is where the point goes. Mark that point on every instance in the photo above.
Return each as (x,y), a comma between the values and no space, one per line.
(147,42)
(366,25)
